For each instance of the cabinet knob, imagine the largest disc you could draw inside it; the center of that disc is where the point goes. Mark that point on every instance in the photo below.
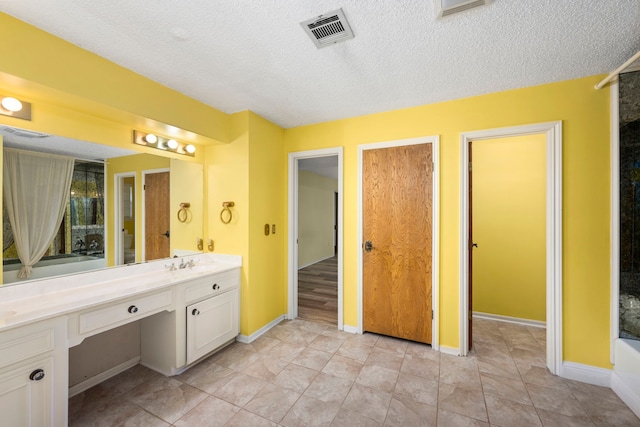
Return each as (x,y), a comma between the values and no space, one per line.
(215,287)
(37,375)
(132,309)
(195,312)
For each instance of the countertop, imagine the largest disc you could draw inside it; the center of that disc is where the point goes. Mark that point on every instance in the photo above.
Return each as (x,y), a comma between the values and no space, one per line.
(37,300)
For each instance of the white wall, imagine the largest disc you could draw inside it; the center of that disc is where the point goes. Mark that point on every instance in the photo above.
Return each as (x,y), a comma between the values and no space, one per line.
(315,217)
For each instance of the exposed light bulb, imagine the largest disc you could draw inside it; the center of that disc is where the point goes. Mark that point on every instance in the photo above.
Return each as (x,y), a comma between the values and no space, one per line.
(190,148)
(11,104)
(172,143)
(151,138)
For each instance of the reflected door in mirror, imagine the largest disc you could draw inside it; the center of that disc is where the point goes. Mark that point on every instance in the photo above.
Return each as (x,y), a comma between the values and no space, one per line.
(156,199)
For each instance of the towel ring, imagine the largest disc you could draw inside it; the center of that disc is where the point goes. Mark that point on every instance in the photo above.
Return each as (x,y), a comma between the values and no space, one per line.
(225,208)
(183,212)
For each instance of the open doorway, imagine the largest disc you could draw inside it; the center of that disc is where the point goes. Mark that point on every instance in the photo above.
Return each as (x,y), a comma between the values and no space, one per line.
(315,242)
(552,134)
(125,218)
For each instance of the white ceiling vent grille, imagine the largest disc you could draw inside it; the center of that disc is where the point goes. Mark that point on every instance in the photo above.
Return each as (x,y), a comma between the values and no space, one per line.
(449,7)
(327,29)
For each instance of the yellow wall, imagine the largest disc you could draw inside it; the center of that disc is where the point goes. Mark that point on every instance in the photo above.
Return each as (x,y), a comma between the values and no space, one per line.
(77,94)
(186,186)
(316,195)
(250,172)
(585,115)
(509,226)
(136,163)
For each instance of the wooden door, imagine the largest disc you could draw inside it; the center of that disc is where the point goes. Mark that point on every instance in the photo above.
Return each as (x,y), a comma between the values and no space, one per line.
(397,234)
(156,202)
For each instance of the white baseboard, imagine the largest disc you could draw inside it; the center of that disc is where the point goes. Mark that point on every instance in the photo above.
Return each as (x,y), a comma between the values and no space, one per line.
(586,373)
(300,267)
(454,351)
(509,319)
(350,329)
(102,376)
(254,336)
(625,393)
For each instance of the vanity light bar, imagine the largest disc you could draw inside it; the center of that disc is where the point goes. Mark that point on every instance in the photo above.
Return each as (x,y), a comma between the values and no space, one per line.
(13,107)
(161,143)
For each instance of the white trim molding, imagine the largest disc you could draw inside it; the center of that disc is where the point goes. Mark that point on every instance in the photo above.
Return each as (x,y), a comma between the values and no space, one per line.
(553,134)
(292,292)
(435,232)
(615,219)
(586,373)
(248,339)
(509,319)
(454,351)
(625,393)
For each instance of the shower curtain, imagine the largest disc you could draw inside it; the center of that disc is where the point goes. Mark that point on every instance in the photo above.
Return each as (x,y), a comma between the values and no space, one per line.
(36,190)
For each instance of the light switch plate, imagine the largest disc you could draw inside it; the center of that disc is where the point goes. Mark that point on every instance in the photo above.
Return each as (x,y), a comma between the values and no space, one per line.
(266,229)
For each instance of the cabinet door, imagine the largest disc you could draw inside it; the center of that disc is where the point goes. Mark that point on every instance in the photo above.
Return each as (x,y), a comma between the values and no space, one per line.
(26,396)
(211,323)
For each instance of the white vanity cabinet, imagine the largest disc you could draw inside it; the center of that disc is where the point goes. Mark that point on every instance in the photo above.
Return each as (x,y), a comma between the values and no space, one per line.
(207,317)
(33,375)
(212,323)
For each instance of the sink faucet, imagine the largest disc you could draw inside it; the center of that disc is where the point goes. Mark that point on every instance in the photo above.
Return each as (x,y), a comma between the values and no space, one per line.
(182,265)
(191,263)
(171,267)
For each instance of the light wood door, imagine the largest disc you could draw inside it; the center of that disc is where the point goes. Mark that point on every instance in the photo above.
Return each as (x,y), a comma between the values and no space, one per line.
(397,231)
(156,217)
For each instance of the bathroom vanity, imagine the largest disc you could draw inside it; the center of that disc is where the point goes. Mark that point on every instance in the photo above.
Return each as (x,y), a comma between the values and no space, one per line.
(185,313)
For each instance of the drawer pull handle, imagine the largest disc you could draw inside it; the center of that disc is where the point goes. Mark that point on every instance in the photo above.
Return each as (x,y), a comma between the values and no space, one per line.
(37,375)
(215,287)
(195,312)
(132,309)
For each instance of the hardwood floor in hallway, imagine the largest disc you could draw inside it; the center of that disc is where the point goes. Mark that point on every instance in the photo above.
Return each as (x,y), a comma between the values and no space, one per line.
(318,292)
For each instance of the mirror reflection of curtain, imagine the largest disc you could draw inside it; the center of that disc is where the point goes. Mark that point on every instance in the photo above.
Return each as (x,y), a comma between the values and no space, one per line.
(36,191)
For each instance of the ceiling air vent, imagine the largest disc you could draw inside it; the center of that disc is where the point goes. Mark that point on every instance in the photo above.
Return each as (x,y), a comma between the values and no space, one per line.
(327,29)
(23,133)
(449,7)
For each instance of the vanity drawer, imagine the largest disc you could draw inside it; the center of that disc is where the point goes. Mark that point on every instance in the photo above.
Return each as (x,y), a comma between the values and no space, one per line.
(21,344)
(212,285)
(123,312)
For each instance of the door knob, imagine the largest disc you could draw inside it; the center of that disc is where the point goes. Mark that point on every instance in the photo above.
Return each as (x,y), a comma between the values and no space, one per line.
(368,246)
(474,245)
(166,233)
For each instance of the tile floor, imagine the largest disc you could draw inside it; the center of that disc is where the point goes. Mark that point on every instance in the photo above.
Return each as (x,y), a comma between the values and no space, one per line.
(308,374)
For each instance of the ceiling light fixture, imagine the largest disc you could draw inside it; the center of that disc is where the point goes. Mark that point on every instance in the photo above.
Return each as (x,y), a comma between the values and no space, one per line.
(162,143)
(13,107)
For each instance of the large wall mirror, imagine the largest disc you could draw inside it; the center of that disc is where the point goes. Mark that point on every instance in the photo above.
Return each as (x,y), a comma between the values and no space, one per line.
(122,207)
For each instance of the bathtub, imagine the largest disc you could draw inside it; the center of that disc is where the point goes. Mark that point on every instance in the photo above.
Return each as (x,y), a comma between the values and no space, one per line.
(625,381)
(54,267)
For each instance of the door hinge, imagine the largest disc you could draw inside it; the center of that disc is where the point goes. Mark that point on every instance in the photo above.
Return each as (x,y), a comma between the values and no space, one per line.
(431,314)
(144,187)
(469,166)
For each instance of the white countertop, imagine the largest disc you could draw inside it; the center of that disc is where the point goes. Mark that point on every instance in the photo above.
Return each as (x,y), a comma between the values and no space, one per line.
(32,301)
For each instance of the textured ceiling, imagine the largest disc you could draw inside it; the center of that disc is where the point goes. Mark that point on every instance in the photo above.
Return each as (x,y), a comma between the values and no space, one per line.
(253,54)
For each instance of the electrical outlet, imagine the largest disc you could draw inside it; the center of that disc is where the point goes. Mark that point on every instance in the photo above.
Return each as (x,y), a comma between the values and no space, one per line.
(273,229)
(266,229)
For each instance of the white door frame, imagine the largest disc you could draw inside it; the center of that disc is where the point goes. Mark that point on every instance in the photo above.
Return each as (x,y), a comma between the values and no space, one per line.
(144,209)
(553,134)
(118,216)
(435,258)
(292,311)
